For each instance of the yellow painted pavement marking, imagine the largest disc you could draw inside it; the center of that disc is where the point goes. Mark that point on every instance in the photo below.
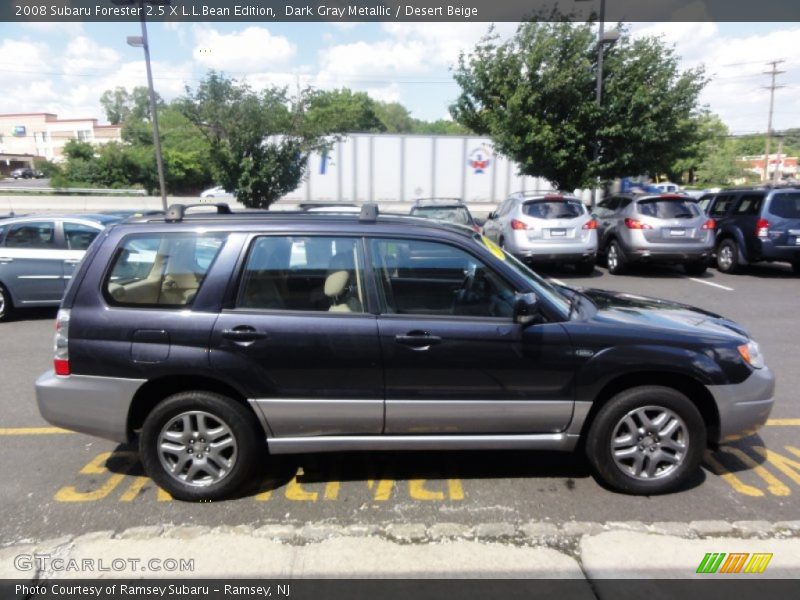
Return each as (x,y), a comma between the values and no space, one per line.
(783,422)
(775,486)
(33,430)
(731,479)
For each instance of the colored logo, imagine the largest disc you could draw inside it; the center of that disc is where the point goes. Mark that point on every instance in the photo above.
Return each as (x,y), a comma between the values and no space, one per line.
(18,131)
(734,562)
(480,159)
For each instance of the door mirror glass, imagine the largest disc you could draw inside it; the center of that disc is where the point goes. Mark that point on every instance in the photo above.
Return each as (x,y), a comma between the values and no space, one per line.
(526,308)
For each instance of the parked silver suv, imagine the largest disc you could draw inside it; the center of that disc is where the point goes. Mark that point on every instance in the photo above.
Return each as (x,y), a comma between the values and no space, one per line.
(545,227)
(664,228)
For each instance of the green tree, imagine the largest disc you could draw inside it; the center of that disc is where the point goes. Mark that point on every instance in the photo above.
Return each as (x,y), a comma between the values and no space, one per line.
(439,127)
(343,111)
(258,141)
(116,104)
(78,150)
(395,117)
(535,96)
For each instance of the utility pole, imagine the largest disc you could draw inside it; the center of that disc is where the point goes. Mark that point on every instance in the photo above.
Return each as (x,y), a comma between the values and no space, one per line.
(776,174)
(772,87)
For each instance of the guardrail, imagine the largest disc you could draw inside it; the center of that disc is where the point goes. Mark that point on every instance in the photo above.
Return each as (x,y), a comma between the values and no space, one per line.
(71,191)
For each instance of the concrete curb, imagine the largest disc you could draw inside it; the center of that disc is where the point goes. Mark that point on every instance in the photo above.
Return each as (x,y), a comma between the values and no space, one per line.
(572,550)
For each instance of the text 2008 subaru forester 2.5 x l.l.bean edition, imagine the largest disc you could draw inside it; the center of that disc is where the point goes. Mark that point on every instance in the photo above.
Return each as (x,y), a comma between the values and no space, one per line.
(216,339)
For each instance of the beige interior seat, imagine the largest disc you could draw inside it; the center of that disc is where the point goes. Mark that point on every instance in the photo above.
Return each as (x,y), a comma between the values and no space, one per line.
(341,285)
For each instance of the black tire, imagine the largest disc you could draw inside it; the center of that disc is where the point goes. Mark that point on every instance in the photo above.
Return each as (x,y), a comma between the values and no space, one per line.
(6,306)
(695,268)
(585,268)
(615,259)
(796,268)
(727,256)
(611,415)
(250,446)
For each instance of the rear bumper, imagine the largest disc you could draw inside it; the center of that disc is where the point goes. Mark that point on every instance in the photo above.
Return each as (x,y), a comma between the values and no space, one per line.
(637,248)
(770,251)
(95,405)
(744,407)
(545,256)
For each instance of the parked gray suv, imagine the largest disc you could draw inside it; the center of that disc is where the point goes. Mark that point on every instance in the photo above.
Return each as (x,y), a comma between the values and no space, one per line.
(545,227)
(654,228)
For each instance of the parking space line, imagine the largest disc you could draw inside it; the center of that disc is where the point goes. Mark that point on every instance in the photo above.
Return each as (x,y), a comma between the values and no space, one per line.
(716,285)
(783,422)
(32,430)
(557,281)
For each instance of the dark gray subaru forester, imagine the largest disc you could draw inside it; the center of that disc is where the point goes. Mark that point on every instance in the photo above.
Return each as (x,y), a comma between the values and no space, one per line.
(217,338)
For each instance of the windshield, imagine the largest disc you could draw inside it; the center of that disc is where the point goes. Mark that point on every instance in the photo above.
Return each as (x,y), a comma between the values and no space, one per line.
(669,208)
(786,206)
(553,209)
(452,214)
(543,288)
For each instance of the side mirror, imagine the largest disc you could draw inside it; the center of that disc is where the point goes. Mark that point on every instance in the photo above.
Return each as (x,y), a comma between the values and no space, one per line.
(492,215)
(526,308)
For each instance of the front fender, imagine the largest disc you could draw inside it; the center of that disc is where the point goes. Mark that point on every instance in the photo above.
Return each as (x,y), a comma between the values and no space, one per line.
(617,361)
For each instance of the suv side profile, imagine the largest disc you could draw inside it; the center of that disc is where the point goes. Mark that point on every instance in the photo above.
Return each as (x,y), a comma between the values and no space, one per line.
(757,224)
(654,228)
(218,339)
(545,227)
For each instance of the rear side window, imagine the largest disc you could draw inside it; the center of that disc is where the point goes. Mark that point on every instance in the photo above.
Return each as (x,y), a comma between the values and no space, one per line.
(553,209)
(721,206)
(32,235)
(786,206)
(668,208)
(161,270)
(749,204)
(79,236)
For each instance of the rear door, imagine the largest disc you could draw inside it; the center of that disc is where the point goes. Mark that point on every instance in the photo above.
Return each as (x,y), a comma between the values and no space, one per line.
(299,337)
(31,262)
(454,360)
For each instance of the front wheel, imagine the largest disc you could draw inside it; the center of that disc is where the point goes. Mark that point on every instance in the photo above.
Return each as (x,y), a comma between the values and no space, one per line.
(646,440)
(200,445)
(6,306)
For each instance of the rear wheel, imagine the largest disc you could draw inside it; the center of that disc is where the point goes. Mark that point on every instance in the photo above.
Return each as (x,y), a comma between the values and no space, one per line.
(6,307)
(200,445)
(695,268)
(614,259)
(646,440)
(727,256)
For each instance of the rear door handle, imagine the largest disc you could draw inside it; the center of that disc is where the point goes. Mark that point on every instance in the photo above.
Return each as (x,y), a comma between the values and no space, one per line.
(243,334)
(418,340)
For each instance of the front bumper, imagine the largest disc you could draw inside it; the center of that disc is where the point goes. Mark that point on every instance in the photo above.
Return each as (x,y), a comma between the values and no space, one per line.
(95,405)
(744,407)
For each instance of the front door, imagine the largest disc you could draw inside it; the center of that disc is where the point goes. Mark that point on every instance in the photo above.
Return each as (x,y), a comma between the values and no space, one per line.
(454,360)
(300,339)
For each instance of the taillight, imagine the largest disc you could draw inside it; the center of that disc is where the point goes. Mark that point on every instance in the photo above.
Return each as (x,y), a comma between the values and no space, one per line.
(710,224)
(762,228)
(61,343)
(516,224)
(592,224)
(476,228)
(634,224)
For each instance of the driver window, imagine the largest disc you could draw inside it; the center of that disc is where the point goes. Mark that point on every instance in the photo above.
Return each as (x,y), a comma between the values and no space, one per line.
(430,278)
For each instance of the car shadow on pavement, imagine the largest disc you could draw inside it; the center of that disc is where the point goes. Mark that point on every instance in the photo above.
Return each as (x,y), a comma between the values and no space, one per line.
(32,314)
(744,454)
(565,272)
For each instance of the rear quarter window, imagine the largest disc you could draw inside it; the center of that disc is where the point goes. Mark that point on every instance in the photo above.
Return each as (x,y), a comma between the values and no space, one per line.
(786,206)
(163,270)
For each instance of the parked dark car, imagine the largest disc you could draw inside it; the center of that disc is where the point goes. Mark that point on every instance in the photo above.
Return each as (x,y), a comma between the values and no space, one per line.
(26,173)
(449,210)
(654,228)
(217,339)
(755,225)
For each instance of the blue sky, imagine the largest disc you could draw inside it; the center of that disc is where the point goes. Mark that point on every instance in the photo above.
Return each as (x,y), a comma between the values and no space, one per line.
(63,68)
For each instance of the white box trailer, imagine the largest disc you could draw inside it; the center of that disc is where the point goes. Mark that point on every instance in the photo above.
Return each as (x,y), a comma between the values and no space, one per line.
(401,168)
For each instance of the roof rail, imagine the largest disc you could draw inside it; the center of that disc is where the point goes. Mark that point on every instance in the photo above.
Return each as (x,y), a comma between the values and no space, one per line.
(369,213)
(176,212)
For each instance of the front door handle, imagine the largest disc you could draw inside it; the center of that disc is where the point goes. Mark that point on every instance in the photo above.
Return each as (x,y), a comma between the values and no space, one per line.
(418,340)
(243,334)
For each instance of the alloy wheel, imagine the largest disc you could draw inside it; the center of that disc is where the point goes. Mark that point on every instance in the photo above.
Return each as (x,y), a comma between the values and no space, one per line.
(649,442)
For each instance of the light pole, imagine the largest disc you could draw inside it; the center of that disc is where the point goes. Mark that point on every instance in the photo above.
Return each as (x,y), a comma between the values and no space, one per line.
(141,42)
(603,38)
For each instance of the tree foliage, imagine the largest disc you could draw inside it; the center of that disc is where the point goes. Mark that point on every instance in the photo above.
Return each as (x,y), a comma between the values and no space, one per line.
(535,96)
(343,111)
(258,141)
(119,104)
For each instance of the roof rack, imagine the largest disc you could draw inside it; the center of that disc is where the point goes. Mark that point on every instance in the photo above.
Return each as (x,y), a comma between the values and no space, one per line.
(369,213)
(176,212)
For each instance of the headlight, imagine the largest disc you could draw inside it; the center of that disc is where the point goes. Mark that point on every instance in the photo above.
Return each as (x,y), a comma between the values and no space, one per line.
(751,353)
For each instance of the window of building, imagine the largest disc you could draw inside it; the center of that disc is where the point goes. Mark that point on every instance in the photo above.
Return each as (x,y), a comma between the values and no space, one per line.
(85,135)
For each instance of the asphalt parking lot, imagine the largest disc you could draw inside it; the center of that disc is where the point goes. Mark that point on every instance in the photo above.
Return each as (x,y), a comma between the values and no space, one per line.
(54,483)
